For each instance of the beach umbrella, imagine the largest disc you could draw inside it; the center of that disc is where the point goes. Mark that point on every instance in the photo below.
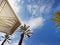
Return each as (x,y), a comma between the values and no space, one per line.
(9,22)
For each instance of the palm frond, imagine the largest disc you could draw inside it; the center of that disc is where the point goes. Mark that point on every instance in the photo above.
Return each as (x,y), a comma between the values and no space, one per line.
(28,30)
(21,27)
(56,19)
(28,27)
(9,39)
(57,24)
(59,28)
(28,36)
(24,25)
(25,29)
(2,36)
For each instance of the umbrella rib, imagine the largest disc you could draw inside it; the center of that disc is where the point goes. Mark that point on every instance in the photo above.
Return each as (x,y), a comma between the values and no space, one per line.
(3,7)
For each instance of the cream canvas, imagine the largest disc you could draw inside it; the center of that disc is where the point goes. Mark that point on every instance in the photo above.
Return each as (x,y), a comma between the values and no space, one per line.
(8,19)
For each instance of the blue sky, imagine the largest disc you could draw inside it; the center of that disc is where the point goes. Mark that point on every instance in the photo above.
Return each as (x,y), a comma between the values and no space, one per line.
(37,14)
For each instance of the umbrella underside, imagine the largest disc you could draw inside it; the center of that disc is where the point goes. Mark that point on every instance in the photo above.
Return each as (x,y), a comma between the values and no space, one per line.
(8,20)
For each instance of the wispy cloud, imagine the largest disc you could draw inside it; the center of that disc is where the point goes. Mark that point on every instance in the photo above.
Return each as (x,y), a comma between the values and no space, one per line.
(42,7)
(36,22)
(45,6)
(33,8)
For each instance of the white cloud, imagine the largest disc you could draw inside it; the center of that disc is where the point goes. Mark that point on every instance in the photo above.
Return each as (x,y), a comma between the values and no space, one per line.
(2,33)
(42,8)
(14,44)
(36,22)
(0,42)
(33,9)
(29,8)
(46,5)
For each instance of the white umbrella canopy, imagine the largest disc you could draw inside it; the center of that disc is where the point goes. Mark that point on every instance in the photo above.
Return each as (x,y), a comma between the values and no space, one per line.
(8,19)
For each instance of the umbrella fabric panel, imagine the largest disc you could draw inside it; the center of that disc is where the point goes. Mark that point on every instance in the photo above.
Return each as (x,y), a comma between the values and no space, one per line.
(8,20)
